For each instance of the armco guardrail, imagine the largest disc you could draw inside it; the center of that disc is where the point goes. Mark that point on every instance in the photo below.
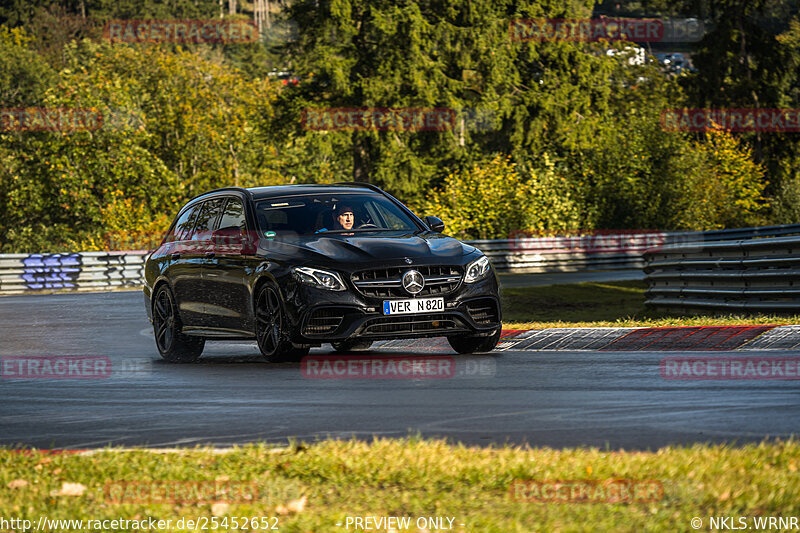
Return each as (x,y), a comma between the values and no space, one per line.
(733,234)
(569,253)
(84,271)
(93,271)
(749,275)
(600,250)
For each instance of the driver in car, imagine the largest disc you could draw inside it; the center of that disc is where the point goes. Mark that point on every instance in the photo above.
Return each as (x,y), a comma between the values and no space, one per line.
(344,217)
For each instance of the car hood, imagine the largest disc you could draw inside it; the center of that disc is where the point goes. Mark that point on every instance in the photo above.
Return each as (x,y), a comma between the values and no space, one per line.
(427,248)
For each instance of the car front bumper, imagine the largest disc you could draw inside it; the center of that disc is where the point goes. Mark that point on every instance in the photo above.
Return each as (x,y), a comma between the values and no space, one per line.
(318,315)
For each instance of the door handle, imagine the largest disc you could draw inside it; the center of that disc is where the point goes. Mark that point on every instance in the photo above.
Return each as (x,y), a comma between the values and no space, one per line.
(210,255)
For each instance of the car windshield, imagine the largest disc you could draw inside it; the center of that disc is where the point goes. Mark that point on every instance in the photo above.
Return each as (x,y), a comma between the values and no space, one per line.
(343,213)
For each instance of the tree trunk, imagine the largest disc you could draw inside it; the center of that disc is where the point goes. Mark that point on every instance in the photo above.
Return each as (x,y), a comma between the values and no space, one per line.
(258,15)
(360,158)
(235,164)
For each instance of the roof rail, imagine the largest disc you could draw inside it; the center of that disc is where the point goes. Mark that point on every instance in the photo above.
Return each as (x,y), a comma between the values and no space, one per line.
(360,184)
(221,189)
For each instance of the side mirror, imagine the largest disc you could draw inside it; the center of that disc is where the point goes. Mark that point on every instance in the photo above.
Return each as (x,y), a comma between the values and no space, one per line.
(435,224)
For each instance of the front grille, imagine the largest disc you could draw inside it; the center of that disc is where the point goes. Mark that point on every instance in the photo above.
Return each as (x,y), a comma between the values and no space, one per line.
(483,311)
(418,324)
(387,282)
(324,321)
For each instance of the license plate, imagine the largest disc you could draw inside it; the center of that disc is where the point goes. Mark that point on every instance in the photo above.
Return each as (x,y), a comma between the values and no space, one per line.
(412,307)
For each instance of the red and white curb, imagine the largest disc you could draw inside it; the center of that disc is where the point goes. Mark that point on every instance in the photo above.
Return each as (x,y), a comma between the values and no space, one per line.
(662,339)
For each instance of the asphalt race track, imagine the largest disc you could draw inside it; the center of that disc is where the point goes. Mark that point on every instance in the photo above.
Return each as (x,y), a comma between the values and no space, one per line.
(614,399)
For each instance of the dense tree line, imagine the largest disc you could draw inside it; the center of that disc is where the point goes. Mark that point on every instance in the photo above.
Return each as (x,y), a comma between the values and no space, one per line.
(546,136)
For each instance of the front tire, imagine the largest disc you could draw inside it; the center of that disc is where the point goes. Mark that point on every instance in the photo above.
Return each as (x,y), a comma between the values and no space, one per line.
(474,344)
(271,328)
(173,345)
(351,346)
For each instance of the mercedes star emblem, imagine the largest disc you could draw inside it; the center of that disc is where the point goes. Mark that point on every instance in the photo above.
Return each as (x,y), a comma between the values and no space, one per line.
(413,282)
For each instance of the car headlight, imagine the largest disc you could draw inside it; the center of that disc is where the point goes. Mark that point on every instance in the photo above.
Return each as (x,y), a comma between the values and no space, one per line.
(477,270)
(321,279)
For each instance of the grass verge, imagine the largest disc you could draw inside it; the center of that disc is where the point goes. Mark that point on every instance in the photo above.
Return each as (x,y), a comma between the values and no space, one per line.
(312,488)
(605,304)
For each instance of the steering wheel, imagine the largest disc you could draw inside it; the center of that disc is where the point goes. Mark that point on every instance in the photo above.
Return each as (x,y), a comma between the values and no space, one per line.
(367,225)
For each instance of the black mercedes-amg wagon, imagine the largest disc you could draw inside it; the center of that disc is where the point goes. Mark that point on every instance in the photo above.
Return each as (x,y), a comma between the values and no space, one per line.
(300,265)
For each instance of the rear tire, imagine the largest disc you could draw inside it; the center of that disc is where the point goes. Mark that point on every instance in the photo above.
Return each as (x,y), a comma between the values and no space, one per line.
(173,345)
(271,331)
(474,344)
(351,346)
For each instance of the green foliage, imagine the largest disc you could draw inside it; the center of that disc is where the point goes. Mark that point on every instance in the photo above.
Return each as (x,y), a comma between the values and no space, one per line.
(198,114)
(494,200)
(175,125)
(25,75)
(423,54)
(725,190)
(786,203)
(57,187)
(750,58)
(15,13)
(628,175)
(23,12)
(579,129)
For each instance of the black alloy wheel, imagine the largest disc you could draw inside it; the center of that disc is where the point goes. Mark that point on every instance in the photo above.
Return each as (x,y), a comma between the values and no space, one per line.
(271,331)
(173,345)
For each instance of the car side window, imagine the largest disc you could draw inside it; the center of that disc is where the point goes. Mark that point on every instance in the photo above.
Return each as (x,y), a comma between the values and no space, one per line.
(207,219)
(183,227)
(390,215)
(233,219)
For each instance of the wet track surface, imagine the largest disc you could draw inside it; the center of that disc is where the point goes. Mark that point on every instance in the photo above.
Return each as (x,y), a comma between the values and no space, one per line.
(553,398)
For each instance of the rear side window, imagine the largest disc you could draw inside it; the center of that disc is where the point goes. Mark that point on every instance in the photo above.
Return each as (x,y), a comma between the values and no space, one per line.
(183,227)
(233,221)
(206,219)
